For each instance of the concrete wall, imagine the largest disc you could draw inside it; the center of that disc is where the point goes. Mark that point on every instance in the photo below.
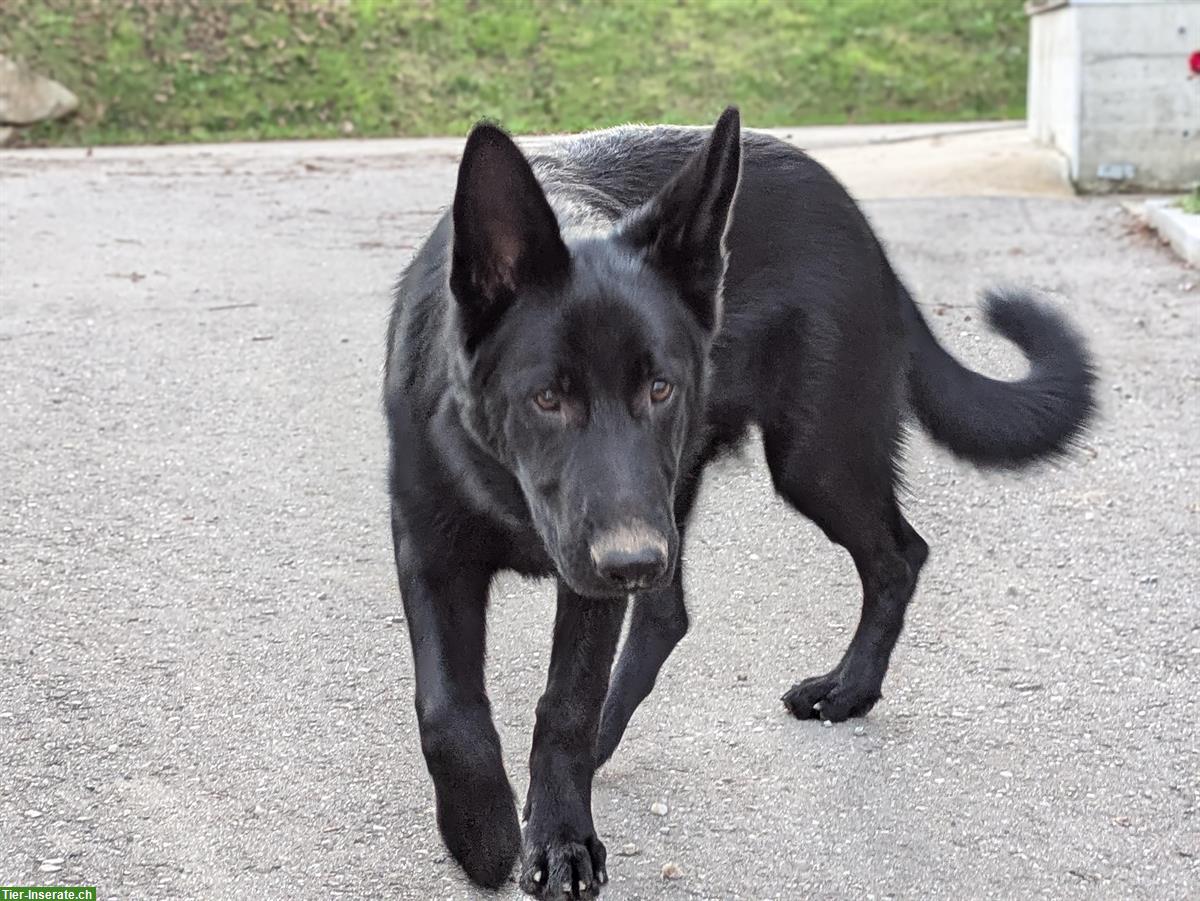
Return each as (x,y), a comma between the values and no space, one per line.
(1110,88)
(1053,91)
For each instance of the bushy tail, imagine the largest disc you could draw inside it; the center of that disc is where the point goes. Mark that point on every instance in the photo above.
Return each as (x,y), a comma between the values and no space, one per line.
(997,423)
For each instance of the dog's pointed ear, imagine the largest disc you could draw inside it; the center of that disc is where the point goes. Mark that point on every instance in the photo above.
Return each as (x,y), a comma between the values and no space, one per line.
(506,236)
(682,229)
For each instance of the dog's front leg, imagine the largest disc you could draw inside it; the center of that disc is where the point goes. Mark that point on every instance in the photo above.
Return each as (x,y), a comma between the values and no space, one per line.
(476,812)
(658,623)
(563,857)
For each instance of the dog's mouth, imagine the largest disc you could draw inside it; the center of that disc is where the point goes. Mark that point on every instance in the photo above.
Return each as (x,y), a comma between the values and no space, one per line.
(598,589)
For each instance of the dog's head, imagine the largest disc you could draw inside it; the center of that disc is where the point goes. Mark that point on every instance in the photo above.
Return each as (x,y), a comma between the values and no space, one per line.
(584,360)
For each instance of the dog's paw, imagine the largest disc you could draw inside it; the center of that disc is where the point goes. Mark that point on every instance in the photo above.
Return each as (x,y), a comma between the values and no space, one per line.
(833,697)
(562,868)
(479,825)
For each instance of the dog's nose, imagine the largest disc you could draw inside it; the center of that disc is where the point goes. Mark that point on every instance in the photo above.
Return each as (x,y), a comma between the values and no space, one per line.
(631,557)
(633,568)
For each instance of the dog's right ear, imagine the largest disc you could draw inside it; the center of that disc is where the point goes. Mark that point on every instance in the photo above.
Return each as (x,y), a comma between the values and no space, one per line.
(506,236)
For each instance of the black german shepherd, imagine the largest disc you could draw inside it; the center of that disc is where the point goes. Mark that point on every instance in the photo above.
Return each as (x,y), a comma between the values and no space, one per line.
(581,334)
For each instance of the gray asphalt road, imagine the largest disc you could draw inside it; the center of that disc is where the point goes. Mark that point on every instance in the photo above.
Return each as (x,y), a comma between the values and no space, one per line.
(205,683)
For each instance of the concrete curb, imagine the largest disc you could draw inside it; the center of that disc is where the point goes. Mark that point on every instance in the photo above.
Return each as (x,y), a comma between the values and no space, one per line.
(1179,229)
(873,161)
(808,137)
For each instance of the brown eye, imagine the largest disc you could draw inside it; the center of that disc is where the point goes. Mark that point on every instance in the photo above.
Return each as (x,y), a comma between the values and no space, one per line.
(547,399)
(660,390)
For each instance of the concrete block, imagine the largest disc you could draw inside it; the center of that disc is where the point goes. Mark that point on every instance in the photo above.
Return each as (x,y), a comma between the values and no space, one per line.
(1111,88)
(1179,229)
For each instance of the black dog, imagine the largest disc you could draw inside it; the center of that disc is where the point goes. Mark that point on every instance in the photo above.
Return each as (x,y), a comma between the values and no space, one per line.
(576,340)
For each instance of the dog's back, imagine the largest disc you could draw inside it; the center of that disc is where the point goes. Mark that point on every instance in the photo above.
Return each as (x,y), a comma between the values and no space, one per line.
(804,265)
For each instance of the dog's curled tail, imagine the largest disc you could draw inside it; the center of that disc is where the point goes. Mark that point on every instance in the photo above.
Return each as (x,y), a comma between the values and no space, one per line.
(997,423)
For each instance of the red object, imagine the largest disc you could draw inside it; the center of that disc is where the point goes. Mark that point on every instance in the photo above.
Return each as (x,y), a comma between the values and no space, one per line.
(1194,62)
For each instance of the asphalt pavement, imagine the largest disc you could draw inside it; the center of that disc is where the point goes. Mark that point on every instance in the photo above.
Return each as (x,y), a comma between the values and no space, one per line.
(205,679)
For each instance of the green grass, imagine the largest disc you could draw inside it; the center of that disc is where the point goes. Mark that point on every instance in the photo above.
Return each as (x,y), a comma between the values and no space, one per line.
(199,70)
(1190,203)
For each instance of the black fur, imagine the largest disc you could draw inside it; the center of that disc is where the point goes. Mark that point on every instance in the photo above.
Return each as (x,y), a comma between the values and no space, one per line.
(994,423)
(576,340)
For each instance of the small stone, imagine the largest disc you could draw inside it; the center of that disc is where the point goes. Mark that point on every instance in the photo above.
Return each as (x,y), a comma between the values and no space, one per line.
(258,810)
(659,809)
(33,814)
(741,677)
(672,871)
(828,724)
(1027,686)
(860,730)
(664,830)
(628,850)
(112,749)
(50,867)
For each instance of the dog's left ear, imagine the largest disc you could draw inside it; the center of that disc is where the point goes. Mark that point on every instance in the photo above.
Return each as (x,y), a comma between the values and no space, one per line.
(682,229)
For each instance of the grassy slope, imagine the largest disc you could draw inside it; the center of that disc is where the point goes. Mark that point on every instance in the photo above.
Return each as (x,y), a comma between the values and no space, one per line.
(179,70)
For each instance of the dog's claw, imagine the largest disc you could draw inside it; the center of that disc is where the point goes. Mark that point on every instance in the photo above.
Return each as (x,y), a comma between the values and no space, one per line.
(558,870)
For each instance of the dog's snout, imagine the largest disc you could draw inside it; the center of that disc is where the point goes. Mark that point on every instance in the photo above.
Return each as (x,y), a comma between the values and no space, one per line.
(633,569)
(630,557)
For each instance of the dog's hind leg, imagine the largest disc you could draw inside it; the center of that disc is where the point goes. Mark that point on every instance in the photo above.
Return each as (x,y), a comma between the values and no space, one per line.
(852,499)
(476,812)
(658,622)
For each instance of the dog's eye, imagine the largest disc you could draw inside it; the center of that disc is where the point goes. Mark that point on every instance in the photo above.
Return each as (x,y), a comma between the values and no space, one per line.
(547,399)
(660,390)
